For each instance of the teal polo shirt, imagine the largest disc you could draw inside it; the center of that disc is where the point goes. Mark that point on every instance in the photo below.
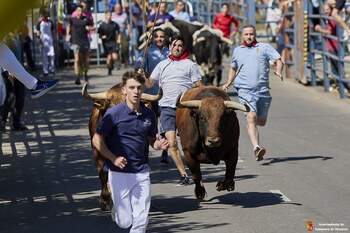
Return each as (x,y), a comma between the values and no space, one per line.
(254,75)
(126,134)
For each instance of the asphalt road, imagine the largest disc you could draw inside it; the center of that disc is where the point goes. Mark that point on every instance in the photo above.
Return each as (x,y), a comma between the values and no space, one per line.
(48,182)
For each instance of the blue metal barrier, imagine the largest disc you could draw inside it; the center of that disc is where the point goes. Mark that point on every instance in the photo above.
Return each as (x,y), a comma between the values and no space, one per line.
(325,54)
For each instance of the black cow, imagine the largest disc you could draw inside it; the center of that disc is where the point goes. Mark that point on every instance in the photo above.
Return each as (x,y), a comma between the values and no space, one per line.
(208,47)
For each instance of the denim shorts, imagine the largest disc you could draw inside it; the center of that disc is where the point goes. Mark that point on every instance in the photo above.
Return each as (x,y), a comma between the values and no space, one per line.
(258,102)
(167,119)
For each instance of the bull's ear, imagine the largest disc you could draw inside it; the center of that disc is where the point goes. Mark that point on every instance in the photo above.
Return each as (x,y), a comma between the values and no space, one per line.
(230,110)
(193,114)
(99,104)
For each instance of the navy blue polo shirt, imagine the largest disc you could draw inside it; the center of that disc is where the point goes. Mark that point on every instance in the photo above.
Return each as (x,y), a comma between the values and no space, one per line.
(126,134)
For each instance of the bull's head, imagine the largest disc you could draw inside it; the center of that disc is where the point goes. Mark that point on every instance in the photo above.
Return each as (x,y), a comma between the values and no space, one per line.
(113,97)
(210,114)
(208,47)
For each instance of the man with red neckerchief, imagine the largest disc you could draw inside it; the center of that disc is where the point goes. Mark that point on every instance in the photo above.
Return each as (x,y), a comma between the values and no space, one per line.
(252,82)
(175,75)
(45,34)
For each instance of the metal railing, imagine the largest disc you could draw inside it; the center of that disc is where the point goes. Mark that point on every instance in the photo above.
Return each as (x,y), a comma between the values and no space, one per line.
(320,49)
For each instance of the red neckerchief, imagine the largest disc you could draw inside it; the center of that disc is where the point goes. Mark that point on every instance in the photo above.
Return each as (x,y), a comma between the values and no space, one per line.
(45,20)
(183,57)
(254,43)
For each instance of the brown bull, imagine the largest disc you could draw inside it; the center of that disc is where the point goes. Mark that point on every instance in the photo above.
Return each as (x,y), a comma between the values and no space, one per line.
(209,132)
(102,102)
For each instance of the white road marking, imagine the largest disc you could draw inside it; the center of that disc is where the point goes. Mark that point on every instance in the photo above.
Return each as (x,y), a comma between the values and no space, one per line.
(280,195)
(40,199)
(5,202)
(240,160)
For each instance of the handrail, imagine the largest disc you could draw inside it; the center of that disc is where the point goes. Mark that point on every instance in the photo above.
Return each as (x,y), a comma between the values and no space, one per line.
(327,56)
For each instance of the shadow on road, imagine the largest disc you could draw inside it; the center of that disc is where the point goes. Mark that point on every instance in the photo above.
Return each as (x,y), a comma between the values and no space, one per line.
(166,215)
(250,199)
(271,161)
(48,180)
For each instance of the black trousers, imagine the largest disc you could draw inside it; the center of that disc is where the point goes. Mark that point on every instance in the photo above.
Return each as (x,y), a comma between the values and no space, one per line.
(14,101)
(28,51)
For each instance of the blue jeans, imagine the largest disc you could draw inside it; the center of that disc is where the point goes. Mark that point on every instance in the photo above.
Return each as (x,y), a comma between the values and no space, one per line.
(135,37)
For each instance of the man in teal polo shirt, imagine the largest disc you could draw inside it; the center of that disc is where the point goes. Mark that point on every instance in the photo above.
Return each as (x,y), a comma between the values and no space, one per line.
(252,82)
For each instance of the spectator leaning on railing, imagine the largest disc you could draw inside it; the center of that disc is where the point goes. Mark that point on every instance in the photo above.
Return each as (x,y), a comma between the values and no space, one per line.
(332,44)
(331,29)
(339,5)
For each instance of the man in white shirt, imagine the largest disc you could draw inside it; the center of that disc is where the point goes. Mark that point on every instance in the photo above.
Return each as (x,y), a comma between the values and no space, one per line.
(175,75)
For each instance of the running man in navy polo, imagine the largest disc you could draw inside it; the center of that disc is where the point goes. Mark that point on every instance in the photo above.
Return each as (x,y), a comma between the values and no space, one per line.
(252,82)
(121,137)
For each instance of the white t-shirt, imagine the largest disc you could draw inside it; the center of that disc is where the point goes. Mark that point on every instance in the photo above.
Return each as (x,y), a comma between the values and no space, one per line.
(175,77)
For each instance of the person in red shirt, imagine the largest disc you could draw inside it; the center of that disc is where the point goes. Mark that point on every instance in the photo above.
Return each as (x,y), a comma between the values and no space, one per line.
(332,45)
(223,22)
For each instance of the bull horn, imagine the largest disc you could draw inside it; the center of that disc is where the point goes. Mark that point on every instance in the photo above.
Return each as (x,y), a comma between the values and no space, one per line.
(243,107)
(187,104)
(148,97)
(142,46)
(226,40)
(200,39)
(92,97)
(143,36)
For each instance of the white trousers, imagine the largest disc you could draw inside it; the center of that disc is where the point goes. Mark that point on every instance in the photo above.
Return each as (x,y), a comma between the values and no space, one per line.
(12,65)
(48,61)
(131,195)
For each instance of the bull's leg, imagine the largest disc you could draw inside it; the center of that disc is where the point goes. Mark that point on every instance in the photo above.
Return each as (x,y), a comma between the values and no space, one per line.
(211,80)
(195,169)
(105,196)
(231,163)
(205,80)
(218,77)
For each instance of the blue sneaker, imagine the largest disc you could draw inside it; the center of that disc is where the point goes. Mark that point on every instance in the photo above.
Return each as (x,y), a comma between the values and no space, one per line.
(43,87)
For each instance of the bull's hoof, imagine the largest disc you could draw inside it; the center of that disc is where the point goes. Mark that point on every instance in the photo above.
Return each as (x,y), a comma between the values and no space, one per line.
(228,185)
(231,188)
(200,192)
(106,206)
